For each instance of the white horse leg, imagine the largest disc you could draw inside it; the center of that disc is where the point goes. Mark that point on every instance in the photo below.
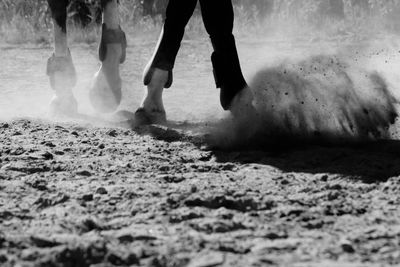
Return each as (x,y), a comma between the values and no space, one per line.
(60,41)
(105,93)
(111,15)
(151,110)
(60,67)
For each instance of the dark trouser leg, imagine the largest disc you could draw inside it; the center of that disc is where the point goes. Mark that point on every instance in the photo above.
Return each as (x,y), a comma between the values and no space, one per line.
(218,19)
(177,16)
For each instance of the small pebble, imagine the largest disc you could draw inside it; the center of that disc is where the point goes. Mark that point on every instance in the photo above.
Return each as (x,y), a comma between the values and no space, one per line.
(50,144)
(47,156)
(3,258)
(134,212)
(193,189)
(87,197)
(112,133)
(284,182)
(347,247)
(84,173)
(324,178)
(101,191)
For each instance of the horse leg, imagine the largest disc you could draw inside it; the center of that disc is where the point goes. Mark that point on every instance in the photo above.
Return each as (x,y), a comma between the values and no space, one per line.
(218,19)
(105,94)
(158,72)
(60,67)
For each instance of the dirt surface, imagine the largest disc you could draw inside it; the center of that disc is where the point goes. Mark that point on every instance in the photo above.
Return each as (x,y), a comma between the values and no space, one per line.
(75,195)
(80,194)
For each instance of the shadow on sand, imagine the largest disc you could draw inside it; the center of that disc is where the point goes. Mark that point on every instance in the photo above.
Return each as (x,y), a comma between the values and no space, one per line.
(368,161)
(373,161)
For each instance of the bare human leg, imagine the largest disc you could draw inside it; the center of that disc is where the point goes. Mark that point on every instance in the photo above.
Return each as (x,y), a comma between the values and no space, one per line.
(105,93)
(60,67)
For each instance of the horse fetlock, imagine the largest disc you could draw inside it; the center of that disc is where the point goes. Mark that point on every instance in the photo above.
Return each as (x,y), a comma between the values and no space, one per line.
(157,77)
(228,77)
(158,80)
(61,72)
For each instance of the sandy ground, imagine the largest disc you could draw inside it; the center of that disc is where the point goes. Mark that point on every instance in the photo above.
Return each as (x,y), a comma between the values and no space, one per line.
(80,193)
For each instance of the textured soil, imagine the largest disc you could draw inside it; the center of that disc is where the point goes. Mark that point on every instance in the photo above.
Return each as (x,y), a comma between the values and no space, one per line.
(85,194)
(73,195)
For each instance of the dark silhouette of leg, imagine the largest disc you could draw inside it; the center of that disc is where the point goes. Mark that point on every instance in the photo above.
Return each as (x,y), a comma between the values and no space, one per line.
(58,10)
(158,72)
(178,14)
(218,19)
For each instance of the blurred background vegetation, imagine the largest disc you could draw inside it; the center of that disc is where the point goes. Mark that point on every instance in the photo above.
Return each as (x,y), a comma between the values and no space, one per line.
(29,21)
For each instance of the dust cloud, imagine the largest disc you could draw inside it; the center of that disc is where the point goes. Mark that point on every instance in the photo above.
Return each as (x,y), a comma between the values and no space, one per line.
(324,98)
(323,86)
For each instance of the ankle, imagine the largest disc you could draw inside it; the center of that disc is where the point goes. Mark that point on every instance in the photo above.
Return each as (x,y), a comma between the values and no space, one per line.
(153,100)
(154,91)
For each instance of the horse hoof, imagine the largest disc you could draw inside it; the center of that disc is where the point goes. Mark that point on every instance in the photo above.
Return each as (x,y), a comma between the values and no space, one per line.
(63,106)
(143,117)
(105,94)
(242,104)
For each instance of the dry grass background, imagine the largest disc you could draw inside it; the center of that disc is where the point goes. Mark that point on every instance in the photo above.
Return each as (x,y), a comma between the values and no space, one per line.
(28,21)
